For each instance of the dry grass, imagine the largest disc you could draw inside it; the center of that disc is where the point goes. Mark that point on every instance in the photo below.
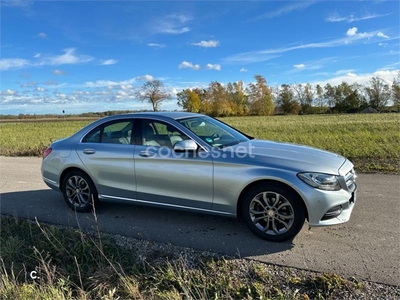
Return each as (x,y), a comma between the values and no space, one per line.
(72,264)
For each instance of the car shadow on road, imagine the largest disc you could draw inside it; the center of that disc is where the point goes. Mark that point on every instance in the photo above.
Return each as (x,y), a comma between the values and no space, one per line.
(217,234)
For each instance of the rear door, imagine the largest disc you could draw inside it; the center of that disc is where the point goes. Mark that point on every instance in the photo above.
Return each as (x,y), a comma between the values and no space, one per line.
(107,153)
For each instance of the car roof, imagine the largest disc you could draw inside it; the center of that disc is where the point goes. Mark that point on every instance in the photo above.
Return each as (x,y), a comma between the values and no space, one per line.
(166,114)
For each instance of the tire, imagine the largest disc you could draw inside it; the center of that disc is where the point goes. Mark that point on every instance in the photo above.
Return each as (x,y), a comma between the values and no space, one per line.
(79,191)
(273,212)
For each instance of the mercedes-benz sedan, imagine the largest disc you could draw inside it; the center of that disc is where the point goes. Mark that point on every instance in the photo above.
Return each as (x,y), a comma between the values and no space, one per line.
(194,162)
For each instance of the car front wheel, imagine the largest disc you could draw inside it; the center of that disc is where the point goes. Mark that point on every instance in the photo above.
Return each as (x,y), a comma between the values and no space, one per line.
(79,191)
(272,212)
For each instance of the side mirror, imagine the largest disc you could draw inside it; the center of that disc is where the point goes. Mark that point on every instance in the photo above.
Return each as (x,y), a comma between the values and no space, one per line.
(186,145)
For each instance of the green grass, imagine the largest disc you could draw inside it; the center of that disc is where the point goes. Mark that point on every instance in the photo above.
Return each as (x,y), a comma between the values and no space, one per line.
(72,264)
(31,138)
(370,141)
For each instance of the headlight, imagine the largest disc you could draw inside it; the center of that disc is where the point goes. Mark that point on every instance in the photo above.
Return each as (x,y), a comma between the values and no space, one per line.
(321,181)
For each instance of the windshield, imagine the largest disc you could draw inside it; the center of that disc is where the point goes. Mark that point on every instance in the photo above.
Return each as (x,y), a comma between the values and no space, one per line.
(213,132)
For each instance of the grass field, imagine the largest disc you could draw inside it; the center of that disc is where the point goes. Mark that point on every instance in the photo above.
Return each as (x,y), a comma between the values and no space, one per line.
(72,264)
(370,141)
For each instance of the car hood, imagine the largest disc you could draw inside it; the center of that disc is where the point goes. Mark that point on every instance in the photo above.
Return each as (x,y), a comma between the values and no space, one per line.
(289,156)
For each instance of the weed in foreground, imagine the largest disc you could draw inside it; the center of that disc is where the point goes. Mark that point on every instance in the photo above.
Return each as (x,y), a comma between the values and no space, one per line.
(72,264)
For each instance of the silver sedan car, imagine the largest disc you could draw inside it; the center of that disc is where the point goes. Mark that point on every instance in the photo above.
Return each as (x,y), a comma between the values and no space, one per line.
(197,163)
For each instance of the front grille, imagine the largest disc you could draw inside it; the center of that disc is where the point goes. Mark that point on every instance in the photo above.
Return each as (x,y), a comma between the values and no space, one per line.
(350,180)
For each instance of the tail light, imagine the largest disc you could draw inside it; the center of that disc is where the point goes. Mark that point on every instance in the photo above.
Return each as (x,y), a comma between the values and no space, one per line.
(47,152)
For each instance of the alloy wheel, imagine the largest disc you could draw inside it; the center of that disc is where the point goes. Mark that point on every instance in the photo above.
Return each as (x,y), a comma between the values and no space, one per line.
(271,213)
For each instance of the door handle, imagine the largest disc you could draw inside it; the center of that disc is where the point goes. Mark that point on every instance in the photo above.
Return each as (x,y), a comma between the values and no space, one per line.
(146,153)
(89,151)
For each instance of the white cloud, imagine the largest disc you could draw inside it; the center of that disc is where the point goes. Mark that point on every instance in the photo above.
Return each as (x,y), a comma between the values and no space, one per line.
(145,78)
(58,72)
(176,31)
(352,75)
(188,65)
(13,63)
(17,3)
(243,70)
(352,31)
(106,83)
(335,17)
(172,24)
(155,45)
(299,66)
(213,67)
(285,10)
(207,44)
(352,37)
(40,89)
(341,72)
(37,55)
(9,92)
(69,57)
(126,86)
(32,83)
(109,84)
(42,35)
(382,35)
(249,57)
(383,44)
(108,62)
(61,95)
(182,18)
(313,65)
(363,78)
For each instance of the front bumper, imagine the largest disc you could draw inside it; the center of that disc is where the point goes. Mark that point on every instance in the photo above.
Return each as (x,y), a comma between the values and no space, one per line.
(331,208)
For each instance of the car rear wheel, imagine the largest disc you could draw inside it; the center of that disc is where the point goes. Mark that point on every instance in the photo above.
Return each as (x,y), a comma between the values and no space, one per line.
(272,212)
(79,191)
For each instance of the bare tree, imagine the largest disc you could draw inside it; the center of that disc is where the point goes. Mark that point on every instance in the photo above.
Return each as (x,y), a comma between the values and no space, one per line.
(305,95)
(396,92)
(320,96)
(153,92)
(287,101)
(378,93)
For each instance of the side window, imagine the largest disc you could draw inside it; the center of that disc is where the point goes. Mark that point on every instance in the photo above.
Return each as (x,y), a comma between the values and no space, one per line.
(93,136)
(157,133)
(116,132)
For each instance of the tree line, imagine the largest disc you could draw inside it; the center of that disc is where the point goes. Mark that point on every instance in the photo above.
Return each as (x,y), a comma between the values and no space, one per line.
(258,98)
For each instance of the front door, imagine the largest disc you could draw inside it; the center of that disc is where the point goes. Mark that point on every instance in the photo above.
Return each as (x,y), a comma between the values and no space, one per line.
(178,179)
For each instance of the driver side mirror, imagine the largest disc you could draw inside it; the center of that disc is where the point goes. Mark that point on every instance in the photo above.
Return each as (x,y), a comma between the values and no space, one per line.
(186,145)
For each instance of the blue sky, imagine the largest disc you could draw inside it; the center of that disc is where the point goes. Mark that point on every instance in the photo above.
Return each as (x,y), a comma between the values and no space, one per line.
(82,56)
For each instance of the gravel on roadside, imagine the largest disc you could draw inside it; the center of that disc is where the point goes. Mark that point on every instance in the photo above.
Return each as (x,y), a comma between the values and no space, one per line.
(158,253)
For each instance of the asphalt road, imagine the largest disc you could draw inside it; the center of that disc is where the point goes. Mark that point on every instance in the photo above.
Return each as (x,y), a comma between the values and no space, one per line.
(367,247)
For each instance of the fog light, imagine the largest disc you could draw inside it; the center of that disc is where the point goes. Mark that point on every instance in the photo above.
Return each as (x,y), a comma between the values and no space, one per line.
(332,213)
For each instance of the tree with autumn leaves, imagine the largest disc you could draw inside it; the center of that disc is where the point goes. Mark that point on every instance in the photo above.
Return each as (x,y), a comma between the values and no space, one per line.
(258,98)
(232,100)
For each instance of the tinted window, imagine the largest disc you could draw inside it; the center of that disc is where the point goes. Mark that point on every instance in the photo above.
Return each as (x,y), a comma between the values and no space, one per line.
(213,132)
(157,133)
(116,132)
